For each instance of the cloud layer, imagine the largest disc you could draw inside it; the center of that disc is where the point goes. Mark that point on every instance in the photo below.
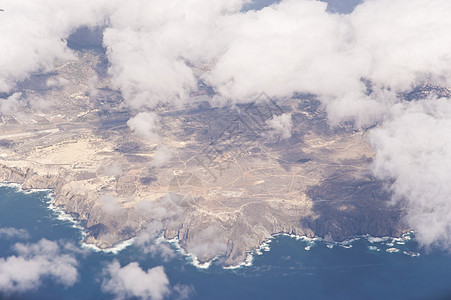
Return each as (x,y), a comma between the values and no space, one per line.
(294,46)
(413,150)
(33,34)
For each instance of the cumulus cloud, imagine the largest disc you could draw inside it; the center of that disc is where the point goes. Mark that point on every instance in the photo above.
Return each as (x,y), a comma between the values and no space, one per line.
(152,45)
(160,54)
(281,126)
(149,243)
(132,281)
(155,248)
(413,150)
(297,46)
(159,50)
(162,156)
(146,125)
(33,34)
(10,105)
(34,262)
(205,244)
(11,232)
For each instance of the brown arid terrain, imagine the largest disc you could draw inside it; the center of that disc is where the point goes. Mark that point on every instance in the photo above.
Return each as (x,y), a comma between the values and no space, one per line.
(221,180)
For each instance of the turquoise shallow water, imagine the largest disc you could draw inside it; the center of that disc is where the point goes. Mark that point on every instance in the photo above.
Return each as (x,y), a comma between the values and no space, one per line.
(287,271)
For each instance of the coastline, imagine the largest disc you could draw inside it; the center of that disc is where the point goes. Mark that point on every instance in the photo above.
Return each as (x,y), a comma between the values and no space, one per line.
(265,246)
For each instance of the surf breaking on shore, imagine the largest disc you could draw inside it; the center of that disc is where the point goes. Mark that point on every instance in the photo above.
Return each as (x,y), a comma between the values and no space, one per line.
(60,214)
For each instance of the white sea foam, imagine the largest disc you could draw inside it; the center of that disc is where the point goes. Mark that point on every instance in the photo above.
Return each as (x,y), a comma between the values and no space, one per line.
(246,263)
(191,257)
(311,241)
(11,185)
(392,250)
(63,216)
(373,239)
(114,250)
(411,254)
(18,188)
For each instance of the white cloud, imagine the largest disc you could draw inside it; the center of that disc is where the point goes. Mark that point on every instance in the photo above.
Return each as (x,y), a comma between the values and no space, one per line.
(293,46)
(296,46)
(162,156)
(11,104)
(208,243)
(281,126)
(148,241)
(146,125)
(11,232)
(151,44)
(413,150)
(33,34)
(132,281)
(34,262)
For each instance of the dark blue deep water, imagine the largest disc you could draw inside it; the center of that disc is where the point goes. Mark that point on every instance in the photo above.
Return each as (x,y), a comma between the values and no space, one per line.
(287,271)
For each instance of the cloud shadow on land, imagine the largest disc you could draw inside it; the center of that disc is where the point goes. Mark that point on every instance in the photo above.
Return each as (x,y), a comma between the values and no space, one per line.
(348,208)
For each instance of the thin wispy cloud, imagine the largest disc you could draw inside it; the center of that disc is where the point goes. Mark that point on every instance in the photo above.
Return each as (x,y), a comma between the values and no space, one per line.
(11,232)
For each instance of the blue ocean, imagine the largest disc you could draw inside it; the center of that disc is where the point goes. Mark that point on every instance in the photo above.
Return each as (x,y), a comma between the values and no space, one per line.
(286,268)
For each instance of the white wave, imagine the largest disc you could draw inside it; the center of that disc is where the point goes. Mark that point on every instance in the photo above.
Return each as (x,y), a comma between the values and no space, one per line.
(246,263)
(392,250)
(11,185)
(62,215)
(19,188)
(114,250)
(191,257)
(373,239)
(411,254)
